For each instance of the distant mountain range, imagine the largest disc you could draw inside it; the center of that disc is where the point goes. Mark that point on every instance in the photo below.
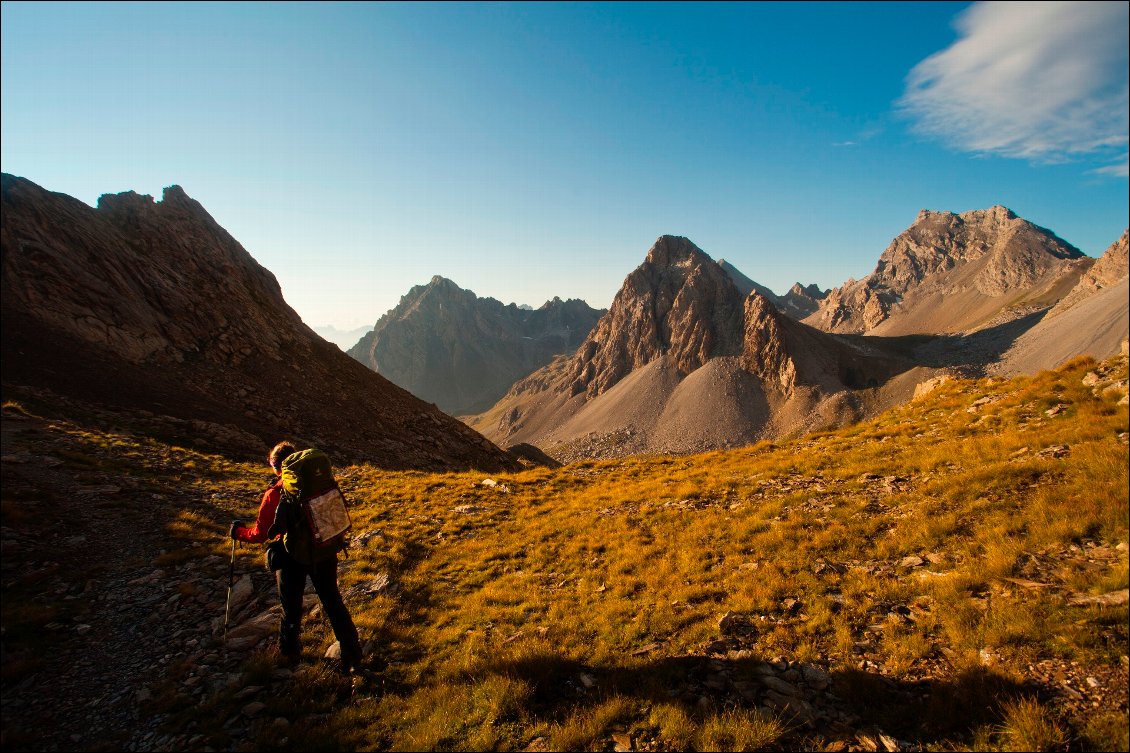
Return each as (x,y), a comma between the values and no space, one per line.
(342,338)
(152,308)
(448,346)
(694,355)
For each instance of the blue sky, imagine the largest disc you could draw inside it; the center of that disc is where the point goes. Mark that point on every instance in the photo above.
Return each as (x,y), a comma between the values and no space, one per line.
(533,150)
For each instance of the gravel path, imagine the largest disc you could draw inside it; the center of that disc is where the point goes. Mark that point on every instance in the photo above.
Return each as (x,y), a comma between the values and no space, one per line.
(90,548)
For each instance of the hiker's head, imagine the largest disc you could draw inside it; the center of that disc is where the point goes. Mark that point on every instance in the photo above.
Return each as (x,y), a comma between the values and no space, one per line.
(278,455)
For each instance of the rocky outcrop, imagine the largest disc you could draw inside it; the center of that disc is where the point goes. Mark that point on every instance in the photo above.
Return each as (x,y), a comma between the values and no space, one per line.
(1112,267)
(152,307)
(952,273)
(1092,319)
(447,346)
(764,351)
(678,303)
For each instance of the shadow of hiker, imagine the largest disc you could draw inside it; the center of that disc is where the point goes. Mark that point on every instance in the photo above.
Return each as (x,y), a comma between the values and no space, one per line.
(842,705)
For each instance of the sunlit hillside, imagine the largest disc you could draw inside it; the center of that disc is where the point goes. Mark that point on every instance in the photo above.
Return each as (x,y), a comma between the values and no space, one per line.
(951,575)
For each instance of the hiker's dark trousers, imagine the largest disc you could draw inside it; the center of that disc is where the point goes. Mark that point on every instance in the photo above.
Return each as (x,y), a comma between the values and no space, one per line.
(291,578)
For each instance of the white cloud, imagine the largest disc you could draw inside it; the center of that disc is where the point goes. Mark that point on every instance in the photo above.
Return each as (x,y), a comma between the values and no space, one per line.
(1118,170)
(1042,81)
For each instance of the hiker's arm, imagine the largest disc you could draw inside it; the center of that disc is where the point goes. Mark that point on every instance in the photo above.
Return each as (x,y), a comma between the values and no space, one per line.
(257,533)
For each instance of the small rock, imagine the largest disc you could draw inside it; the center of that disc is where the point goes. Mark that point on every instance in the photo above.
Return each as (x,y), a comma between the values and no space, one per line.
(815,677)
(622,743)
(247,692)
(780,686)
(734,624)
(252,709)
(911,561)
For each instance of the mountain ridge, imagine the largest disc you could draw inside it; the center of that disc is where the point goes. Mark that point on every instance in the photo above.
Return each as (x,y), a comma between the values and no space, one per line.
(153,307)
(983,264)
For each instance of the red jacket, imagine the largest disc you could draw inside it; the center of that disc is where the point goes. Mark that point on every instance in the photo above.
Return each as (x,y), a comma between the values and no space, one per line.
(257,534)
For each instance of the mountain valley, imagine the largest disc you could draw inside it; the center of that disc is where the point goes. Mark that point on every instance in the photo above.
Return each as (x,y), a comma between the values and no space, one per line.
(889,516)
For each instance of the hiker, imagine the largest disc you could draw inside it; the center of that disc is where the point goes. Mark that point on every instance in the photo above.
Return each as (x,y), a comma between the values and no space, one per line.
(290,574)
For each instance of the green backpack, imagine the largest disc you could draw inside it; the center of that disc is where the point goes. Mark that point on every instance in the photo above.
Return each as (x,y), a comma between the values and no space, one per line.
(312,507)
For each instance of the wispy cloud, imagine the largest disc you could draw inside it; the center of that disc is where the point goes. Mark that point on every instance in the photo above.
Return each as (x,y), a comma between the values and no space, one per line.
(1119,170)
(866,134)
(1042,81)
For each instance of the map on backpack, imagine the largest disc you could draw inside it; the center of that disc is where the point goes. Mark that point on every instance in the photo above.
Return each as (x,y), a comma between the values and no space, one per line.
(327,515)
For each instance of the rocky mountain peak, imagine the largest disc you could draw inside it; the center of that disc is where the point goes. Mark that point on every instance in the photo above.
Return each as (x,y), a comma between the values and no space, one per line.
(442,283)
(987,254)
(679,303)
(802,300)
(174,194)
(675,251)
(448,346)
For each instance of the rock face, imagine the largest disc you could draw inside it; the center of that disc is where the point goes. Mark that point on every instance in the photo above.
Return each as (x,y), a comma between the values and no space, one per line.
(446,345)
(152,307)
(678,303)
(683,361)
(1109,270)
(955,273)
(1092,319)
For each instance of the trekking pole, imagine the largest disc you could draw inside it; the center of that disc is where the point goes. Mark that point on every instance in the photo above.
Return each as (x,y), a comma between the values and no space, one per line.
(231,582)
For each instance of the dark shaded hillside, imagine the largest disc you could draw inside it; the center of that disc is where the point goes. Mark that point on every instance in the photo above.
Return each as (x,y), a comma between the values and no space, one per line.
(153,308)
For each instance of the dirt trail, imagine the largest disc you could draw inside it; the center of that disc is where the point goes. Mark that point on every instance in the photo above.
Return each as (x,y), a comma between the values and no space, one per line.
(79,546)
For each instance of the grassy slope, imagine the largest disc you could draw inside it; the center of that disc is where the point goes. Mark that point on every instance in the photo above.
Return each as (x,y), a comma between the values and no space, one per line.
(567,609)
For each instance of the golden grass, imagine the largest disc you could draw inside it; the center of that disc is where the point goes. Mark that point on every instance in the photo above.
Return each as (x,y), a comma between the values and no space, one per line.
(1028,726)
(517,608)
